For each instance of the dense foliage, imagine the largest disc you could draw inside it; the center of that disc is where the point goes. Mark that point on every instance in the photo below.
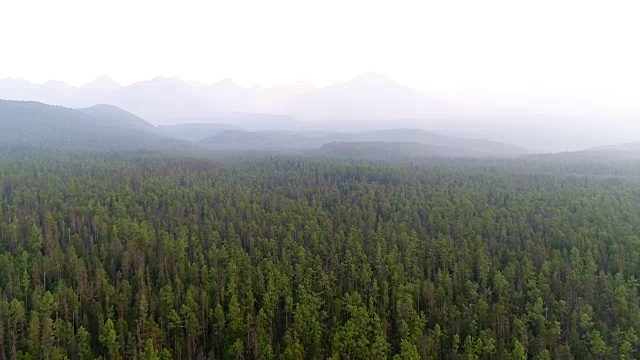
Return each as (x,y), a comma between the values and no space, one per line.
(144,257)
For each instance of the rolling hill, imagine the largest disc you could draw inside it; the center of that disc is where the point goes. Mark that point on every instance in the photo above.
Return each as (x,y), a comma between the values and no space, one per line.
(34,124)
(114,116)
(416,140)
(107,127)
(628,151)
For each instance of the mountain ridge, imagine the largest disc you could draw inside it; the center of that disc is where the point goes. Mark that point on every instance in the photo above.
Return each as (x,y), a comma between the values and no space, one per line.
(363,102)
(172,96)
(116,116)
(240,139)
(39,125)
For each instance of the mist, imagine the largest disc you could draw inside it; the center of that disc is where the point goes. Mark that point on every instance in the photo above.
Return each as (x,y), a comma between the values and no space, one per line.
(486,71)
(369,101)
(315,180)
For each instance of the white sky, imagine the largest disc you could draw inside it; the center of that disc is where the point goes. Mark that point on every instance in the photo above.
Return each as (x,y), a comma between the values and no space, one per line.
(585,49)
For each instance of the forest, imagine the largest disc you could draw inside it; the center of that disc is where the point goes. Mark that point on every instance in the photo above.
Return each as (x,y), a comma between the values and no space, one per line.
(148,256)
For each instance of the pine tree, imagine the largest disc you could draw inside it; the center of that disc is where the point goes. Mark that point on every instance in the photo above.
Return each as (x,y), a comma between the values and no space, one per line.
(109,339)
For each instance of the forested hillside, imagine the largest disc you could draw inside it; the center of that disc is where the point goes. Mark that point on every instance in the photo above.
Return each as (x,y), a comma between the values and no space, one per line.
(157,257)
(99,128)
(114,116)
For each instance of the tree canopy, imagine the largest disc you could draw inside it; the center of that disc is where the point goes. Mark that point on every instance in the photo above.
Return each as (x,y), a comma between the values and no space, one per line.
(283,257)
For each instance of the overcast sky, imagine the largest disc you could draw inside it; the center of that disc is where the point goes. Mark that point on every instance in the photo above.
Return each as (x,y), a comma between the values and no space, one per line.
(583,49)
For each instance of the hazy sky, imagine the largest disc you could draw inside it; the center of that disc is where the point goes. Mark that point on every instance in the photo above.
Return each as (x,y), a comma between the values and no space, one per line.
(585,49)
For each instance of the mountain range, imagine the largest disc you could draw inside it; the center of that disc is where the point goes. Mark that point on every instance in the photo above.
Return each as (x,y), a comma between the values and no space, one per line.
(367,102)
(109,128)
(161,100)
(369,96)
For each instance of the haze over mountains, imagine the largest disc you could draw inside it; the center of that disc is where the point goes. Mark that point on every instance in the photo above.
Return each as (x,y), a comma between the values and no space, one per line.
(160,100)
(369,96)
(108,128)
(370,101)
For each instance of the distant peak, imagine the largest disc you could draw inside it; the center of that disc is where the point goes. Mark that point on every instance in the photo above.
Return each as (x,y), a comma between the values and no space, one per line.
(102,81)
(103,106)
(304,84)
(226,82)
(167,79)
